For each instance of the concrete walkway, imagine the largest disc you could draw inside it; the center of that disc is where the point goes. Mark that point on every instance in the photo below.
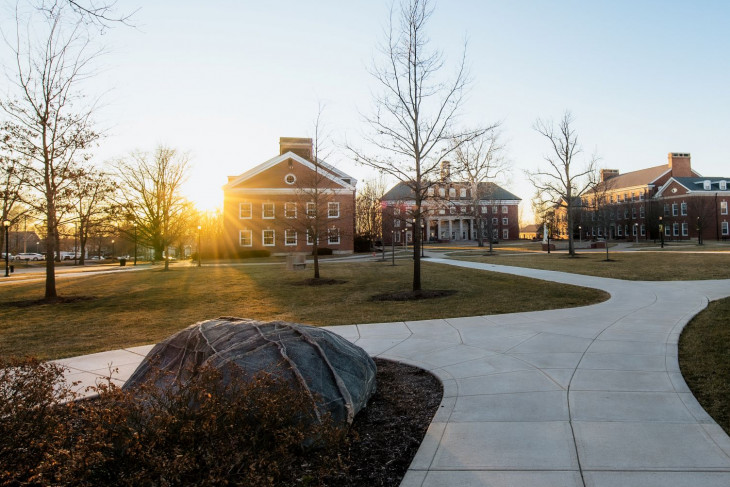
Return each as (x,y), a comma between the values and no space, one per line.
(588,396)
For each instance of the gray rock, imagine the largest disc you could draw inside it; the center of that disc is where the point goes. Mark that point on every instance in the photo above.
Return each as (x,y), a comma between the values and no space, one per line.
(338,373)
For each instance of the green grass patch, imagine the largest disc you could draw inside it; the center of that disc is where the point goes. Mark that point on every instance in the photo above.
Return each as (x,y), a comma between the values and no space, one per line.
(136,308)
(704,357)
(634,266)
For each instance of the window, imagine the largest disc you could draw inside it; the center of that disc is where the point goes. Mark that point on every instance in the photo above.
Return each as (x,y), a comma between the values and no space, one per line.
(642,211)
(723,207)
(462,193)
(290,179)
(667,231)
(442,192)
(634,229)
(310,239)
(311,209)
(290,237)
(675,228)
(452,210)
(463,209)
(666,210)
(244,210)
(484,210)
(505,209)
(268,238)
(643,230)
(505,221)
(611,200)
(495,209)
(409,237)
(633,213)
(397,237)
(626,197)
(495,221)
(641,196)
(267,210)
(683,208)
(505,234)
(244,238)
(430,191)
(723,185)
(675,209)
(396,222)
(633,196)
(685,229)
(724,228)
(707,185)
(452,192)
(626,213)
(333,209)
(619,230)
(290,209)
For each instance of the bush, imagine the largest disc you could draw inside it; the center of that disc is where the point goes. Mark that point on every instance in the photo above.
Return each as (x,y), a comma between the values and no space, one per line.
(363,244)
(199,433)
(323,251)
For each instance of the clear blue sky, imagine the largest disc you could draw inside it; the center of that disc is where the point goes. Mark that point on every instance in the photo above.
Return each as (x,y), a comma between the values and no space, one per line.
(225,79)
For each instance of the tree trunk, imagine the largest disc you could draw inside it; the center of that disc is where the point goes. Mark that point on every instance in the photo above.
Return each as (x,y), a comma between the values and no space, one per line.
(50,251)
(315,253)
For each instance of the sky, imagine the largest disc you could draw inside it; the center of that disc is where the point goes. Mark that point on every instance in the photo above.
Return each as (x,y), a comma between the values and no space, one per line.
(223,80)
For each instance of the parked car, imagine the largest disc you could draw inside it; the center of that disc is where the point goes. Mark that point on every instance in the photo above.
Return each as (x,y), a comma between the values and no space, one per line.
(10,256)
(30,256)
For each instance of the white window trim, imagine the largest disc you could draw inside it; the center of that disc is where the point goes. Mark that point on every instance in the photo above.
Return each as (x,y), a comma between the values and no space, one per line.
(250,211)
(330,205)
(250,238)
(675,209)
(643,230)
(311,206)
(273,239)
(287,233)
(505,233)
(329,236)
(723,207)
(310,240)
(263,211)
(683,208)
(685,229)
(286,178)
(675,229)
(505,221)
(725,228)
(505,209)
(286,205)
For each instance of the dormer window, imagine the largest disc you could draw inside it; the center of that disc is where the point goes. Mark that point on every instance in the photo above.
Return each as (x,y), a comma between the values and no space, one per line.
(707,185)
(723,185)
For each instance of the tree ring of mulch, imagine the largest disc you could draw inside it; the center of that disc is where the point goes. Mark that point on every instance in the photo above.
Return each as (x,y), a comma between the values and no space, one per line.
(413,295)
(387,434)
(27,303)
(319,282)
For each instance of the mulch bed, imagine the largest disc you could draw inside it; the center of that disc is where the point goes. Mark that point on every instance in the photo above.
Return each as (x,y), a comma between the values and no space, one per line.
(386,435)
(27,303)
(413,295)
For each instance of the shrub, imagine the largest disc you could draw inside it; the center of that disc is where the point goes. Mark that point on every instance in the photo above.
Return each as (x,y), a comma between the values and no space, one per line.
(363,244)
(198,433)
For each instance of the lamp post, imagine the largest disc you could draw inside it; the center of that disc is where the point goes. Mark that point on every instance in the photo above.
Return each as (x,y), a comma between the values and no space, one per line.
(636,232)
(580,235)
(423,238)
(199,228)
(135,243)
(392,243)
(548,235)
(76,252)
(38,247)
(113,252)
(661,230)
(6,224)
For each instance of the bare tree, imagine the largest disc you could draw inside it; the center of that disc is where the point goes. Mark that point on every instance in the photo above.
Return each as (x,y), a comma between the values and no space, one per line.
(92,198)
(152,196)
(416,111)
(479,162)
(565,179)
(368,212)
(49,123)
(13,177)
(602,209)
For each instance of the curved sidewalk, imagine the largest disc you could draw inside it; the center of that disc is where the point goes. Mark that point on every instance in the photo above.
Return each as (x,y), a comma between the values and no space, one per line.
(588,396)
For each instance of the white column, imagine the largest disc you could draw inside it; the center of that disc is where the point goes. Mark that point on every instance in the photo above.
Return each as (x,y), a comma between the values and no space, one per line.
(461,228)
(471,228)
(438,228)
(451,226)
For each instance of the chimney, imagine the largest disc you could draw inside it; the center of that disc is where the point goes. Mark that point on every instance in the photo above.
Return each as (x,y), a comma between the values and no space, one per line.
(298,145)
(680,164)
(445,171)
(608,173)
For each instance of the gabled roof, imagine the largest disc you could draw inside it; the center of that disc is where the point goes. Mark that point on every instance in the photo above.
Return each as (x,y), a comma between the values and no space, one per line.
(402,191)
(697,185)
(642,177)
(330,172)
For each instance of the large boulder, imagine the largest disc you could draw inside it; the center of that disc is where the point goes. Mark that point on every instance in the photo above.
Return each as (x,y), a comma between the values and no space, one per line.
(339,374)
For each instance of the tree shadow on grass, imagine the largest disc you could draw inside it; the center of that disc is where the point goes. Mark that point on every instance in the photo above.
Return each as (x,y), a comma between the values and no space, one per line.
(413,295)
(27,303)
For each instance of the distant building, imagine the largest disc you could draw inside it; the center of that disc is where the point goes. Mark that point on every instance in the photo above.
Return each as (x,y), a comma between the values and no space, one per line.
(449,212)
(671,198)
(271,207)
(529,232)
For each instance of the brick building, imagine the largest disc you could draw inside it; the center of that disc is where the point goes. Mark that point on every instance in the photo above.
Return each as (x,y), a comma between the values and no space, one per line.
(672,199)
(450,213)
(288,203)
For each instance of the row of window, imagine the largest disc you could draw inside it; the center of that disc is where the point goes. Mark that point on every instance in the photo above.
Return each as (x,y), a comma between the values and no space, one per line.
(626,197)
(445,235)
(669,230)
(268,237)
(268,210)
(463,209)
(495,221)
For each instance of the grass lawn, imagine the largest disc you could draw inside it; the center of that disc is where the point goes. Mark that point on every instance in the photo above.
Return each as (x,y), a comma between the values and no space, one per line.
(135,308)
(635,266)
(704,357)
